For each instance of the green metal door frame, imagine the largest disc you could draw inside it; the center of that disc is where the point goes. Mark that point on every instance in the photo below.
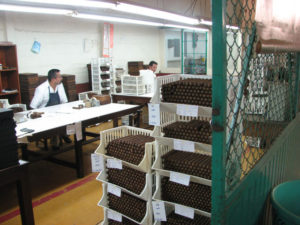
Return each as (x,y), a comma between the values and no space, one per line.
(219,71)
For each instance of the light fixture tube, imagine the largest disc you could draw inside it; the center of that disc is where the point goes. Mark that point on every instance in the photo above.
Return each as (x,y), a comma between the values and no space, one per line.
(209,23)
(124,7)
(82,3)
(116,19)
(186,27)
(144,11)
(14,8)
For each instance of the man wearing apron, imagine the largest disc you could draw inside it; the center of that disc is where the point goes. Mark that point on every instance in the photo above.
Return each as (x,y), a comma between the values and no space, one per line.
(50,93)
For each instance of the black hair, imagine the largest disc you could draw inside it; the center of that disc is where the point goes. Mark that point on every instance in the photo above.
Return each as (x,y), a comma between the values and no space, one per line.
(152,63)
(52,74)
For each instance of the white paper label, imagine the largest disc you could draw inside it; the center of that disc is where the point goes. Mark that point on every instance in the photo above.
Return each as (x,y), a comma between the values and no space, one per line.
(187,110)
(114,216)
(154,114)
(159,211)
(114,164)
(97,162)
(113,189)
(70,129)
(184,211)
(187,146)
(180,178)
(78,131)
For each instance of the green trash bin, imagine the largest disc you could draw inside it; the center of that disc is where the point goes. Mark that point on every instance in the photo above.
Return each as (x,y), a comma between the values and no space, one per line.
(285,200)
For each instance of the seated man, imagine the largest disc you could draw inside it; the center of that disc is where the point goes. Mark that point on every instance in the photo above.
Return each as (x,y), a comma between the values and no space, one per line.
(50,93)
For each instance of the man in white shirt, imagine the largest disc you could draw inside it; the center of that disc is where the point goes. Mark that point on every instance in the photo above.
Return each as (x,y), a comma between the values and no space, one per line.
(51,92)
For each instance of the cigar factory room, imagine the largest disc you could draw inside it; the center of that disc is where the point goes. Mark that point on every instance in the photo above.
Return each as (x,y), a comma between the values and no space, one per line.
(149,112)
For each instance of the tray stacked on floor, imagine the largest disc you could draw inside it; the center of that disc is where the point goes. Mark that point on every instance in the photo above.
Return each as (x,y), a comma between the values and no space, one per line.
(126,175)
(129,148)
(194,130)
(195,195)
(135,67)
(8,139)
(70,87)
(188,91)
(175,219)
(131,179)
(125,221)
(188,162)
(28,84)
(42,79)
(183,143)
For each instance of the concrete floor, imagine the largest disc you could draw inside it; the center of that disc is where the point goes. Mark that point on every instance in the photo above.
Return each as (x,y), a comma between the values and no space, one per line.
(58,197)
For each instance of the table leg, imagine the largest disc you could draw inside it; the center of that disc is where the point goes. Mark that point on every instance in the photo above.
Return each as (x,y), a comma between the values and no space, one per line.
(138,119)
(79,157)
(24,195)
(116,122)
(131,120)
(24,151)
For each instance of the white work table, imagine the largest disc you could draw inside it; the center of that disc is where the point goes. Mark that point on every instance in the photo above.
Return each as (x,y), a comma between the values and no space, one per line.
(55,120)
(63,114)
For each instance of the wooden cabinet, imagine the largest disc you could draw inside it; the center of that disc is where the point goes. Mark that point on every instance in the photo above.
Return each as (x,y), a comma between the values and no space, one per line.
(9,75)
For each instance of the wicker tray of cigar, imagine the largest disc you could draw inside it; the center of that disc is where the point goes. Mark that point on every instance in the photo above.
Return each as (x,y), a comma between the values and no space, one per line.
(194,161)
(112,217)
(134,146)
(132,209)
(131,181)
(182,88)
(174,191)
(176,216)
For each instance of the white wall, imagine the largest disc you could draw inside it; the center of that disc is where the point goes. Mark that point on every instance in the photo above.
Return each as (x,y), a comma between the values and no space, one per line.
(69,44)
(136,43)
(62,43)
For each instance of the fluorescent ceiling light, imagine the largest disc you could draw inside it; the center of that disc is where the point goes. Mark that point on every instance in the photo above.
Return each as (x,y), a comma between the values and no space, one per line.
(116,19)
(128,8)
(186,27)
(232,27)
(206,22)
(83,3)
(28,9)
(209,23)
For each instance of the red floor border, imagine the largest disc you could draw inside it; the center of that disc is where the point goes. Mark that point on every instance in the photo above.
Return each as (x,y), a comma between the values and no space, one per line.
(49,197)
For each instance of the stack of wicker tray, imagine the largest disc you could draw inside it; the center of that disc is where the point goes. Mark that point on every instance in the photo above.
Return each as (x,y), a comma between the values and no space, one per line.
(70,87)
(28,84)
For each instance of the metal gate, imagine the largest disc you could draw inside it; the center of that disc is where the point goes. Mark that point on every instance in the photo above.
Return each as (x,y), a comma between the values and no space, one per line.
(255,103)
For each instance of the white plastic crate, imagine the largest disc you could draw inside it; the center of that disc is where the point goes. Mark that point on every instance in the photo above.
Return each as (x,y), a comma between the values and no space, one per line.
(165,145)
(102,176)
(133,85)
(133,90)
(119,132)
(104,203)
(159,81)
(132,80)
(157,197)
(169,208)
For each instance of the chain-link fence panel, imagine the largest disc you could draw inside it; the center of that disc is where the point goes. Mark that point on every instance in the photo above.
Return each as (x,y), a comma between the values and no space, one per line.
(260,93)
